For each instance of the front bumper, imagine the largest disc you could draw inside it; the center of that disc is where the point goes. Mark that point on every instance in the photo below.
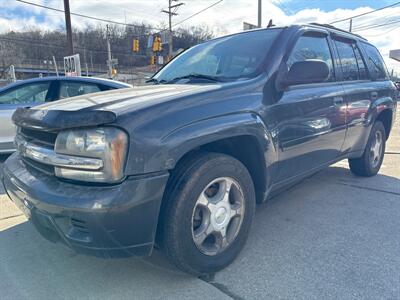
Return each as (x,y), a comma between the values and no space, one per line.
(107,221)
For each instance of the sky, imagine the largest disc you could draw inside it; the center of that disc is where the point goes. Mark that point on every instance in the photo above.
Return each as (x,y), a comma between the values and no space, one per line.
(224,18)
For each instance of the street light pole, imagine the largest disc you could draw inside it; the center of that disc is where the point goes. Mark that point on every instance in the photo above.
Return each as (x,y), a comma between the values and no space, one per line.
(68,27)
(259,13)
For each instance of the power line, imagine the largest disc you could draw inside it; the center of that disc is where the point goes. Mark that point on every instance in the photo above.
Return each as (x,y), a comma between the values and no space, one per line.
(83,16)
(199,12)
(376,26)
(383,22)
(384,18)
(116,22)
(366,13)
(383,33)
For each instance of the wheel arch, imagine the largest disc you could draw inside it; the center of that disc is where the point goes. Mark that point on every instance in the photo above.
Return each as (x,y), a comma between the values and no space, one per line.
(242,136)
(386,117)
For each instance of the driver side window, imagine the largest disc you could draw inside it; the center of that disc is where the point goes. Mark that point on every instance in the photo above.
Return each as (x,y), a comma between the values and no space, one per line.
(24,94)
(312,47)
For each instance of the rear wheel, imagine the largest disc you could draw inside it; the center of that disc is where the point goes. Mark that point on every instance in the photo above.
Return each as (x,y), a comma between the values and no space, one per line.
(208,213)
(371,161)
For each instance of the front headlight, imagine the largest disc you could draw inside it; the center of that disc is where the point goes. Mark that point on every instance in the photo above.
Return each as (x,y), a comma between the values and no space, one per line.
(109,144)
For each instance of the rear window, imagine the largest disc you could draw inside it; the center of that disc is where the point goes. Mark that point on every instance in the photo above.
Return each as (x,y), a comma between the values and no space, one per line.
(376,63)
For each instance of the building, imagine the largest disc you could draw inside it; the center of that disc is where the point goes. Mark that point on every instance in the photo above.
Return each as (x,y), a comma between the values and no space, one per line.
(395,54)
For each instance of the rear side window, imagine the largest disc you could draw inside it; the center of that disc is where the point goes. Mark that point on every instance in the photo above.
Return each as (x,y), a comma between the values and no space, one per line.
(353,67)
(72,89)
(378,67)
(312,47)
(362,70)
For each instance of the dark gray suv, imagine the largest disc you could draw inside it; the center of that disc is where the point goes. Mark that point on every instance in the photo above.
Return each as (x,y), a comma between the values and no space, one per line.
(183,161)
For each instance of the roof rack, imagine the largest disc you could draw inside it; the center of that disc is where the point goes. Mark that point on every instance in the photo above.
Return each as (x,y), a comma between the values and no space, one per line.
(338,29)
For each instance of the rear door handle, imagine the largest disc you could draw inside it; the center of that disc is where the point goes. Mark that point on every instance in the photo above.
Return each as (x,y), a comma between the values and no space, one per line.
(374,95)
(338,100)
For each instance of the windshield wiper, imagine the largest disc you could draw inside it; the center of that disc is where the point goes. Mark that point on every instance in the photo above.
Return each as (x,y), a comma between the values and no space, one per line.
(156,81)
(197,76)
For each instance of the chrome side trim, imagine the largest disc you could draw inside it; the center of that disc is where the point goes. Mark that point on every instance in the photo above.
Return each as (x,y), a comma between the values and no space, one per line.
(49,157)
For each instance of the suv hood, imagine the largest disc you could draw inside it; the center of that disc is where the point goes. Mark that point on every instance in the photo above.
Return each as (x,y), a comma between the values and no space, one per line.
(101,108)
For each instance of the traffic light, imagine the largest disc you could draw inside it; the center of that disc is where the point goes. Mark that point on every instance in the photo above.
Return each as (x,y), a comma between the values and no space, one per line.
(157,44)
(135,47)
(114,72)
(152,60)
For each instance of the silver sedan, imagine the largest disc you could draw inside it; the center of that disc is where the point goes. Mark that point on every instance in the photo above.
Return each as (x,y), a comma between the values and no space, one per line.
(36,91)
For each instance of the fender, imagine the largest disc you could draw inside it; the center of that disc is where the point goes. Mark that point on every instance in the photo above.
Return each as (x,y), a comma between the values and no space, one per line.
(380,105)
(187,138)
(375,109)
(196,134)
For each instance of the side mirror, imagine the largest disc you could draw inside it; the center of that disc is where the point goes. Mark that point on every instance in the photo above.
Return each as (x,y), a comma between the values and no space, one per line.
(308,71)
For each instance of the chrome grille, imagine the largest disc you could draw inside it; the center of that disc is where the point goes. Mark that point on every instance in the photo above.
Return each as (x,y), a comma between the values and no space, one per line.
(38,137)
(38,152)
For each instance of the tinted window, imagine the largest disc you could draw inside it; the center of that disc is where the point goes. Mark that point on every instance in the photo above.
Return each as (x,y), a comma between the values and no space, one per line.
(106,87)
(348,61)
(308,47)
(228,58)
(72,89)
(362,70)
(378,70)
(27,93)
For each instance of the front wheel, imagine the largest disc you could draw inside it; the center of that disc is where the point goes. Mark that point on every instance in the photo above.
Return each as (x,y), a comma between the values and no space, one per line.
(208,213)
(371,161)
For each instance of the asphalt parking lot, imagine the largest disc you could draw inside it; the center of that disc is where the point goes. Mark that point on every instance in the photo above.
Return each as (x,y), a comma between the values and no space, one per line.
(334,236)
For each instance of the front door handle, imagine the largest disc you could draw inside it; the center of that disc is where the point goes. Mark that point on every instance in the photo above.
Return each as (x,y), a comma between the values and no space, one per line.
(338,100)
(374,95)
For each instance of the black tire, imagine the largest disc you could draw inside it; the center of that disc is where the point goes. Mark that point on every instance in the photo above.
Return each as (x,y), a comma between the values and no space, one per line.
(183,190)
(365,165)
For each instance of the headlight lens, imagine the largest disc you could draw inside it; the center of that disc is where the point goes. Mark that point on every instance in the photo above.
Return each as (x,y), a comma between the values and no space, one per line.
(110,144)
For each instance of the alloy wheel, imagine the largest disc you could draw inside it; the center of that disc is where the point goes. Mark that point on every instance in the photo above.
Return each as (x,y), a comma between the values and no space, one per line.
(376,149)
(217,215)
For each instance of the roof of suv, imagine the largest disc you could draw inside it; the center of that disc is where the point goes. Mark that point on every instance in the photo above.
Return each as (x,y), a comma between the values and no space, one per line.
(335,29)
(327,27)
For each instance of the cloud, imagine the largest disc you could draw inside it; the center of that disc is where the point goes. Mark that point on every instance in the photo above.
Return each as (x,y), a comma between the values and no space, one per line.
(226,17)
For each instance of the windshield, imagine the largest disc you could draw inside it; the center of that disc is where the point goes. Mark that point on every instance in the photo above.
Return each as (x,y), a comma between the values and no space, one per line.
(26,93)
(229,58)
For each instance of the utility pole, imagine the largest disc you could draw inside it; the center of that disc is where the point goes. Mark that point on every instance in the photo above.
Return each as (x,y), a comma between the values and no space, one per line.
(259,14)
(172,9)
(109,54)
(68,27)
(351,25)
